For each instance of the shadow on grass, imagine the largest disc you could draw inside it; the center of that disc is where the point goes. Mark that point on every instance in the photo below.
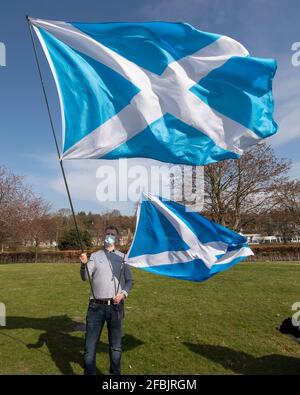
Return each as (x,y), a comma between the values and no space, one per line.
(63,347)
(243,363)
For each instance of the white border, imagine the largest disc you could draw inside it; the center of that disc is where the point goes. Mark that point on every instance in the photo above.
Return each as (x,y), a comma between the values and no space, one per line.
(63,123)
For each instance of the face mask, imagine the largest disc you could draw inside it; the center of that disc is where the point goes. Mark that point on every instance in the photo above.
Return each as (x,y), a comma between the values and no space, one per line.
(110,240)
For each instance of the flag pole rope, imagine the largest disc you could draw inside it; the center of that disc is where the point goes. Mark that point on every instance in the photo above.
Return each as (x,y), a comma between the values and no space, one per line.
(57,149)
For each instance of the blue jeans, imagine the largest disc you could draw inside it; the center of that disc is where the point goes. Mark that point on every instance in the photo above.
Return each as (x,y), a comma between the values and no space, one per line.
(97,315)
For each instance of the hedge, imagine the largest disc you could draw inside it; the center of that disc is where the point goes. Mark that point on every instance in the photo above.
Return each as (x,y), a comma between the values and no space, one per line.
(71,256)
(275,252)
(267,252)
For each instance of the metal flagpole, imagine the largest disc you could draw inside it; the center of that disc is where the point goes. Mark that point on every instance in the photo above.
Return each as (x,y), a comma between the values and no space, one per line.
(121,269)
(57,149)
(123,259)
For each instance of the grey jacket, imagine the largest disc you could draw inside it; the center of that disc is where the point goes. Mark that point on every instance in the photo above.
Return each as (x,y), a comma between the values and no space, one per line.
(105,269)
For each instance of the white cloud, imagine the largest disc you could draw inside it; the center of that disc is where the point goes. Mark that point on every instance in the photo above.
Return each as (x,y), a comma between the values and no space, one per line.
(82,180)
(287,103)
(289,128)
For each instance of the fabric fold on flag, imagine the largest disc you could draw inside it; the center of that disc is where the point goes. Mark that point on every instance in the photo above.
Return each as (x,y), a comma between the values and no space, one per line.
(159,90)
(173,241)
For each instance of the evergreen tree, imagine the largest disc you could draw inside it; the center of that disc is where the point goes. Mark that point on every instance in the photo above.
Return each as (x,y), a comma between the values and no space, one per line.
(69,240)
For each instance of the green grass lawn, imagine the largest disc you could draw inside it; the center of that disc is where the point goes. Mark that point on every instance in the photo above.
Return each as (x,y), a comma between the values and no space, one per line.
(223,326)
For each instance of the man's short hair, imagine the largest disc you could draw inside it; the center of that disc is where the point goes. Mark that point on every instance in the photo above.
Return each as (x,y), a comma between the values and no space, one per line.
(112,227)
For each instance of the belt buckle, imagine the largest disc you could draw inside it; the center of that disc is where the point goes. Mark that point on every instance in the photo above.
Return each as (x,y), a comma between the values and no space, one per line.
(108,302)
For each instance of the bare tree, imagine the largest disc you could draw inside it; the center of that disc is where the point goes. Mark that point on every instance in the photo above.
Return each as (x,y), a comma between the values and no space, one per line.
(288,196)
(15,197)
(287,215)
(36,223)
(236,188)
(22,214)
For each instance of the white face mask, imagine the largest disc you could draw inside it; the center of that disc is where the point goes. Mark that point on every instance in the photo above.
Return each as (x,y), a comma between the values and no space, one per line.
(110,240)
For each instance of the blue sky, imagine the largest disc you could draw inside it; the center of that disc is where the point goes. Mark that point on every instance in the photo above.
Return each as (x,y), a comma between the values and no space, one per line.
(267,28)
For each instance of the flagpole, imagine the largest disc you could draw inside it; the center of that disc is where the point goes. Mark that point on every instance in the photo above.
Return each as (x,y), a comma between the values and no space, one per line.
(57,149)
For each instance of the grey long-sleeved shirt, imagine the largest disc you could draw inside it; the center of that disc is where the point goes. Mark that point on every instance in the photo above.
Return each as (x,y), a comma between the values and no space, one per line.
(104,269)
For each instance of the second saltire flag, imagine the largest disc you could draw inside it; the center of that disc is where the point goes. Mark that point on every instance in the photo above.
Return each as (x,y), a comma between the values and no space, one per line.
(173,241)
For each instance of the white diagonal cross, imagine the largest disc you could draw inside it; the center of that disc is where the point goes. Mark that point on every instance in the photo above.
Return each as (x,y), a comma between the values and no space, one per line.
(159,94)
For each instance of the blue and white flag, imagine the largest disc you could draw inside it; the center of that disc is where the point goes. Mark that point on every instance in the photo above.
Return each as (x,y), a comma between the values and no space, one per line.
(173,241)
(157,90)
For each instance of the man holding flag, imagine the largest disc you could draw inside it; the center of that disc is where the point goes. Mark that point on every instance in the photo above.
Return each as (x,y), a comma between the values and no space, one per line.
(111,283)
(169,240)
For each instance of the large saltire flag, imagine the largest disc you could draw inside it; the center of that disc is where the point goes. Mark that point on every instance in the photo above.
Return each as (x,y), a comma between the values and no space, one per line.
(158,90)
(174,241)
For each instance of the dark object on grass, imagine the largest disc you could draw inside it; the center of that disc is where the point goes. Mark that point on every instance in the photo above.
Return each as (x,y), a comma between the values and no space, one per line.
(288,328)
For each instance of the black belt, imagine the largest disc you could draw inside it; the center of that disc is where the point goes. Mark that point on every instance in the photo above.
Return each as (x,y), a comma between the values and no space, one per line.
(103,301)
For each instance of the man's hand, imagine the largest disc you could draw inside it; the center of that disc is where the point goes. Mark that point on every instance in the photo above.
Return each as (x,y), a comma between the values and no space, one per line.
(83,258)
(118,298)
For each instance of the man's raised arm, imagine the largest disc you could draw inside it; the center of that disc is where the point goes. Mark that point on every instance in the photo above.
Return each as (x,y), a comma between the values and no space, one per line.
(86,265)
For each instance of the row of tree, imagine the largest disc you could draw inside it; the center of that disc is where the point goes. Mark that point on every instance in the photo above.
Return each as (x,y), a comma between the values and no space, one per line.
(26,219)
(252,194)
